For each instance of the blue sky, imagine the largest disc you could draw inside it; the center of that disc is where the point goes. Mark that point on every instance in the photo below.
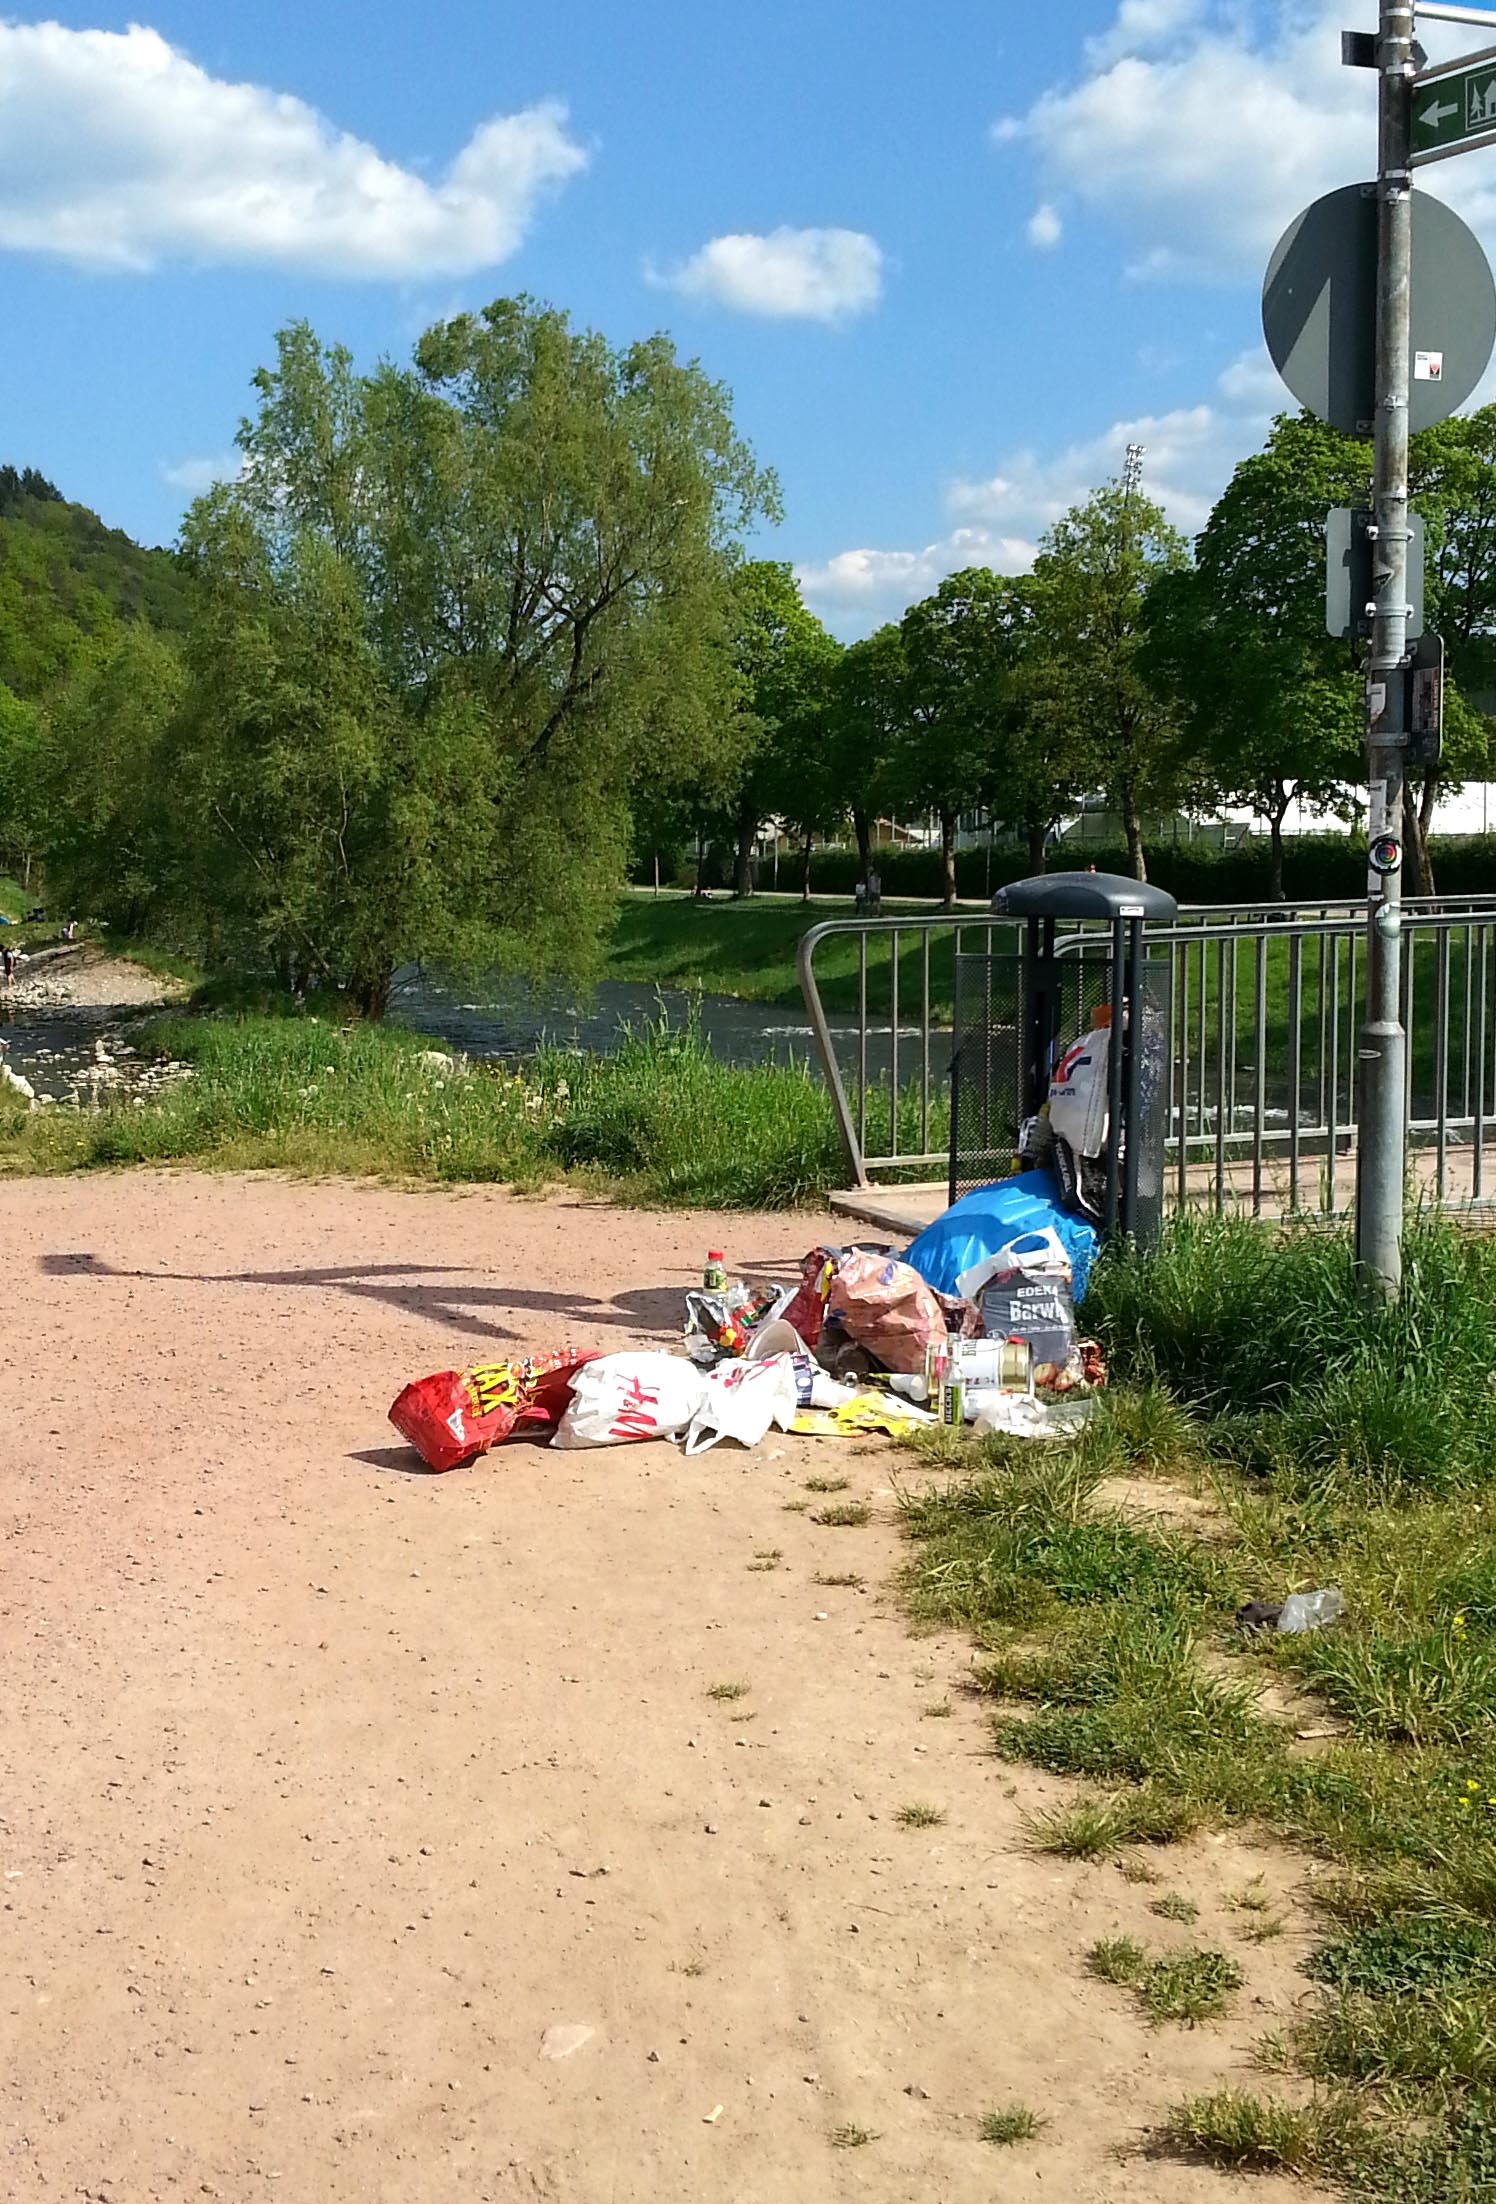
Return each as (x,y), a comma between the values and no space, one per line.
(949,259)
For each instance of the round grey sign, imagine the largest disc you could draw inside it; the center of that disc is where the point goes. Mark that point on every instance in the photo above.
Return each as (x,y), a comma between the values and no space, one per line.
(1319,310)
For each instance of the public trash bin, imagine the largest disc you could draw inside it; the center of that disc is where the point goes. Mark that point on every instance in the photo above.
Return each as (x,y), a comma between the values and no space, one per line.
(1082,966)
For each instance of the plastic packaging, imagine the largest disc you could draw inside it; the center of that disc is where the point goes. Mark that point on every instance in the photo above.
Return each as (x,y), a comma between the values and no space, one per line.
(886,1307)
(714,1275)
(1303,1611)
(1023,1416)
(456,1415)
(993,1216)
(742,1399)
(633,1396)
(1077,1089)
(1024,1292)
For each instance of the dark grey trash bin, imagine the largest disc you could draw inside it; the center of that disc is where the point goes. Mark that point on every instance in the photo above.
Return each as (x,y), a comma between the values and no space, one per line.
(1084,943)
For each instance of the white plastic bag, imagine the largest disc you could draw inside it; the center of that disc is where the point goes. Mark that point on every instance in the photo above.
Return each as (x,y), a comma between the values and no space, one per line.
(1021,1416)
(742,1400)
(634,1396)
(1077,1093)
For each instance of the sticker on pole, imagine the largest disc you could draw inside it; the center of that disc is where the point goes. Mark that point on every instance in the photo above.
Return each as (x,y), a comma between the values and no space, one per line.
(1385,855)
(1428,367)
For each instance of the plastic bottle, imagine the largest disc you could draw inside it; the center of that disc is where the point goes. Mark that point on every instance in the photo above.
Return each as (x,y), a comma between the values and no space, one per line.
(714,1275)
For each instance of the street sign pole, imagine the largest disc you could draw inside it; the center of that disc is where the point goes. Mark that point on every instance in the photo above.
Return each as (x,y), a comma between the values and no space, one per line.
(1381,1143)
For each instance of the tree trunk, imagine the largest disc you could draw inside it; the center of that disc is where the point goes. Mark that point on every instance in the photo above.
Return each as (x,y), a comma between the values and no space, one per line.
(805,869)
(1275,846)
(1137,864)
(742,870)
(1419,878)
(1428,797)
(862,827)
(370,993)
(948,859)
(1036,831)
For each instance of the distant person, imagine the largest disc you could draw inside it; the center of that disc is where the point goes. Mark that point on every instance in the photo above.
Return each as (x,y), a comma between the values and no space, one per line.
(874,892)
(1090,868)
(7,964)
(859,898)
(68,929)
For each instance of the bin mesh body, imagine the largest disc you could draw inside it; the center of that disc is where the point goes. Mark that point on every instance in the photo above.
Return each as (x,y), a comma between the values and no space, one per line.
(1010,1023)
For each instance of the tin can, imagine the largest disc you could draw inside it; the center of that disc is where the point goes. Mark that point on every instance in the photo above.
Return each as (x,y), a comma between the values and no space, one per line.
(953,1395)
(1008,1363)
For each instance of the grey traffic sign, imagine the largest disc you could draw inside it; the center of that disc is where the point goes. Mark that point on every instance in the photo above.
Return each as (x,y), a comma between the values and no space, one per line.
(1454,108)
(1350,572)
(1319,310)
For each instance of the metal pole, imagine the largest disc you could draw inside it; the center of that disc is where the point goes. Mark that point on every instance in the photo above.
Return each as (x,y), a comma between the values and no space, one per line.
(1383,1125)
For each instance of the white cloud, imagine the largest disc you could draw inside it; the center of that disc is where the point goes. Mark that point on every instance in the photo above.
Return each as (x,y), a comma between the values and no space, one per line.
(117,151)
(810,275)
(197,475)
(1045,228)
(1198,129)
(1188,457)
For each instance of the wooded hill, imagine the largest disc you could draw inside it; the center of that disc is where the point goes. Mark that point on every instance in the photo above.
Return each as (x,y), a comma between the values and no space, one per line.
(65,577)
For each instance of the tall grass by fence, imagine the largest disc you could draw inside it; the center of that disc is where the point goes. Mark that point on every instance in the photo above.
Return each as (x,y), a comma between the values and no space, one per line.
(660,1120)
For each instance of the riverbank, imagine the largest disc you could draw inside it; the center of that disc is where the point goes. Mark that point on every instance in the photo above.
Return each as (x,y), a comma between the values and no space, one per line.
(658,1121)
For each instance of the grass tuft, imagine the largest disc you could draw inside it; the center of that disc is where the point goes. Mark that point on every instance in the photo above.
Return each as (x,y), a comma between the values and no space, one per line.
(1010,2124)
(918,1815)
(1188,1986)
(849,2136)
(1247,2133)
(725,1693)
(844,1515)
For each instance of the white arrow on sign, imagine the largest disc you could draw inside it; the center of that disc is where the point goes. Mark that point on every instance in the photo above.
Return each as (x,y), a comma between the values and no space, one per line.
(1434,114)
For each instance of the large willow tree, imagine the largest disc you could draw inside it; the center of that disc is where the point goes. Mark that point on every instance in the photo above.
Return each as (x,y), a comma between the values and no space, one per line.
(448,618)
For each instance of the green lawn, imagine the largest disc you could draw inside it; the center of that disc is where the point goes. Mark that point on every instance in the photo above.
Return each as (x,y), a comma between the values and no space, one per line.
(748,950)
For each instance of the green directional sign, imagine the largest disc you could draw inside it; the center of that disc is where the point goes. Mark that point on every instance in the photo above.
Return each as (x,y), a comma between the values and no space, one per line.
(1455,108)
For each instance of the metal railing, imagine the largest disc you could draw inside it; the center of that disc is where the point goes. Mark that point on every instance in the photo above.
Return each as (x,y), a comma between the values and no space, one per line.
(1267,1005)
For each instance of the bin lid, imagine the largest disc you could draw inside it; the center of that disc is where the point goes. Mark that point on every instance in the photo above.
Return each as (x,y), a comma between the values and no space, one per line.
(1083,895)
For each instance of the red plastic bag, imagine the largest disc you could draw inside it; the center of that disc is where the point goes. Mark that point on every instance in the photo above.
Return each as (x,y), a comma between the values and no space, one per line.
(807,1311)
(456,1415)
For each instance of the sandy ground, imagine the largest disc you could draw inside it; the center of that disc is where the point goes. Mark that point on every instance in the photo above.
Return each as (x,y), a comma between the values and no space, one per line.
(84,978)
(328,1789)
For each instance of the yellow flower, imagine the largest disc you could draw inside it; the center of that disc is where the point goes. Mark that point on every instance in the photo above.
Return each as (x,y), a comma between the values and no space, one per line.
(1463,1802)
(1472,1785)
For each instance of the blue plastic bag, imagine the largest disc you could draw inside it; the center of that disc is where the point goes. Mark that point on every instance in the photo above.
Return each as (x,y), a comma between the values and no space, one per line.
(983,1221)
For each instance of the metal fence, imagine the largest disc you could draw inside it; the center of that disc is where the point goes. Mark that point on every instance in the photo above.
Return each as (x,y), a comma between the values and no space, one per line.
(1266,1010)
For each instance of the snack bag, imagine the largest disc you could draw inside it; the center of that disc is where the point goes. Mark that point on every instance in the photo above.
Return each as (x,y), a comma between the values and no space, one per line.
(806,1309)
(456,1415)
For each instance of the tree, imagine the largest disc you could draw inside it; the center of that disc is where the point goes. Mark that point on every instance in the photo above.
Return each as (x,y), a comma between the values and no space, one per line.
(494,589)
(1270,705)
(957,651)
(783,659)
(1452,475)
(1094,571)
(866,722)
(106,785)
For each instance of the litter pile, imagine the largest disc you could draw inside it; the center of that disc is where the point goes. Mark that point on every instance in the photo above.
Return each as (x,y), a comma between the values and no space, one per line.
(975,1324)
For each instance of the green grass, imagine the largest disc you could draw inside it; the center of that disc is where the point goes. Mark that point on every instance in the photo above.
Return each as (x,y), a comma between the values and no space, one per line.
(1010,2124)
(661,1121)
(748,949)
(725,1693)
(844,1515)
(1339,1444)
(1188,1986)
(920,1815)
(849,2136)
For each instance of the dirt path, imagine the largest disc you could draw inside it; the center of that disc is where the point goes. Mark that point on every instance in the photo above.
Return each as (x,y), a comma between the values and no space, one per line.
(326,1790)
